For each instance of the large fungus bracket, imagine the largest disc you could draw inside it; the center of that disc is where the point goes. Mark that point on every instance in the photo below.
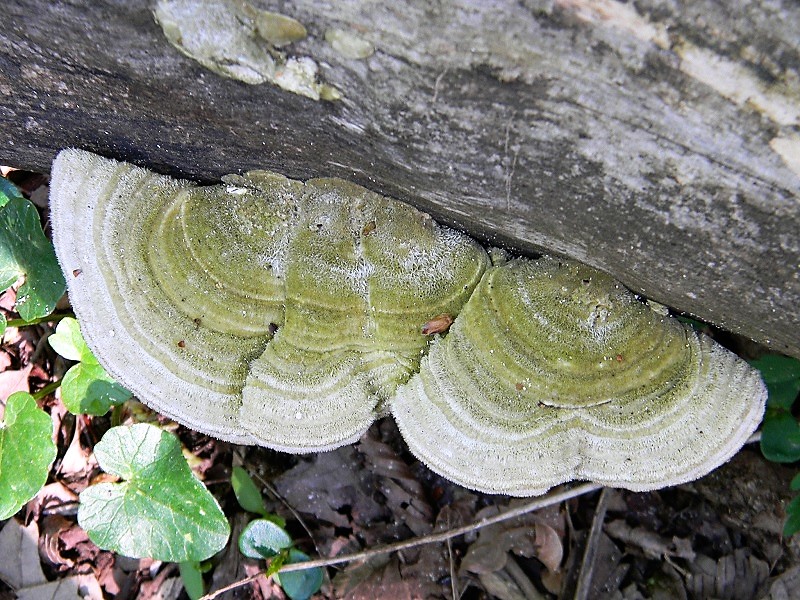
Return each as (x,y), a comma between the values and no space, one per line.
(270,311)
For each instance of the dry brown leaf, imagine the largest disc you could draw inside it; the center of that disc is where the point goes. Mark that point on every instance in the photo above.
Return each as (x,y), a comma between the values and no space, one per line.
(333,487)
(525,536)
(19,546)
(404,494)
(14,381)
(382,578)
(164,586)
(77,463)
(737,576)
(648,542)
(549,548)
(50,546)
(510,583)
(51,496)
(490,552)
(8,299)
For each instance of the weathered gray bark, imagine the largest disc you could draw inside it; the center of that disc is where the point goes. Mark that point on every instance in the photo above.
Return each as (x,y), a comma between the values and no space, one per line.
(658,145)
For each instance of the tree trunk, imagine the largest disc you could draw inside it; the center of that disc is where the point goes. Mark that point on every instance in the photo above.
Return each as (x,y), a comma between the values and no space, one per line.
(656,144)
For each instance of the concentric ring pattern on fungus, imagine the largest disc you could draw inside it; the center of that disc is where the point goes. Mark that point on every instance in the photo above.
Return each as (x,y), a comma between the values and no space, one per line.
(287,314)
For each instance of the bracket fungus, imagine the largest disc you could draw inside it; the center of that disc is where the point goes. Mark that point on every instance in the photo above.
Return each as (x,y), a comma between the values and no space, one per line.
(553,371)
(180,288)
(287,314)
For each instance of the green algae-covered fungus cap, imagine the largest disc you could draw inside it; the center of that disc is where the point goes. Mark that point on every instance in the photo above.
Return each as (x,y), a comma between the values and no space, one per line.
(262,310)
(270,311)
(553,371)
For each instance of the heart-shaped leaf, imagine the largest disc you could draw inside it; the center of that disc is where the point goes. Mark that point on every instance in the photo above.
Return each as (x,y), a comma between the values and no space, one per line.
(300,585)
(792,524)
(780,437)
(161,510)
(263,539)
(249,496)
(86,388)
(782,376)
(25,252)
(247,493)
(68,341)
(26,452)
(192,578)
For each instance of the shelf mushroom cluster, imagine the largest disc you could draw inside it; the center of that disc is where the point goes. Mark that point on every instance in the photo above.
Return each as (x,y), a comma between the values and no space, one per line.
(270,311)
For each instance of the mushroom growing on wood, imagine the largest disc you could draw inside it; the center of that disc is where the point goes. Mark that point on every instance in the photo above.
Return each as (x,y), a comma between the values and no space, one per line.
(553,371)
(287,314)
(180,288)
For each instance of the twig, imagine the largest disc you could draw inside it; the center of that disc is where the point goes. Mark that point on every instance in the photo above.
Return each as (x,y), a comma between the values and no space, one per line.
(590,550)
(48,389)
(452,563)
(48,319)
(443,536)
(522,580)
(271,489)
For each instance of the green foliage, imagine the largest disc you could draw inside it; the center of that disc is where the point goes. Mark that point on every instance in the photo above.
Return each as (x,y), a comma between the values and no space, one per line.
(299,585)
(25,252)
(782,376)
(86,388)
(249,496)
(192,577)
(266,538)
(780,437)
(160,510)
(780,433)
(263,539)
(26,452)
(246,491)
(792,524)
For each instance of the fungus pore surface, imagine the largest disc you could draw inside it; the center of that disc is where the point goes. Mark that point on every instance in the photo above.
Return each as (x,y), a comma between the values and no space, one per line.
(287,314)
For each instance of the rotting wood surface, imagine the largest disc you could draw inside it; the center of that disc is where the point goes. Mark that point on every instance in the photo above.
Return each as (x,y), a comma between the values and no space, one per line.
(658,145)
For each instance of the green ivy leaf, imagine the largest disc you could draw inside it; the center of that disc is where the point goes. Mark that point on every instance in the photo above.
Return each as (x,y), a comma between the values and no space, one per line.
(8,191)
(263,539)
(86,388)
(68,341)
(792,524)
(249,496)
(26,252)
(160,510)
(246,491)
(300,585)
(26,452)
(782,376)
(795,484)
(780,437)
(3,323)
(192,578)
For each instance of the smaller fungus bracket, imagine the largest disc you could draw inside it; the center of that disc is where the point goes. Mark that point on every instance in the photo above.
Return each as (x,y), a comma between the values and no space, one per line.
(600,388)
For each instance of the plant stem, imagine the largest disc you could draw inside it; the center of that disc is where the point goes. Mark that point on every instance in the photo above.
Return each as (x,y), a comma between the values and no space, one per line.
(442,536)
(48,389)
(47,319)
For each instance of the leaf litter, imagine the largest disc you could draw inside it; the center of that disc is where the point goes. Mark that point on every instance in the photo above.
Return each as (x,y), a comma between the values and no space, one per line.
(719,536)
